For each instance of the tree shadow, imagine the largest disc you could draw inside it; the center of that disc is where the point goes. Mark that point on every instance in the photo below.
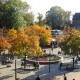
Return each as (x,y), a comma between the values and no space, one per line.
(43,77)
(24,71)
(5,77)
(46,75)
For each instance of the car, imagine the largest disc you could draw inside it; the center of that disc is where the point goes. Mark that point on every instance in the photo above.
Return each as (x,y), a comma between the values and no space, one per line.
(56,32)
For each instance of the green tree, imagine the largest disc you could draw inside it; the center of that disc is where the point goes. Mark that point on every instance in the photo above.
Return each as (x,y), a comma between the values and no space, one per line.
(11,14)
(57,18)
(28,17)
(70,43)
(40,22)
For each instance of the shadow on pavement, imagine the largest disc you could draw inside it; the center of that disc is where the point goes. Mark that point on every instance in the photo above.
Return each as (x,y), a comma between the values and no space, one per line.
(45,74)
(22,71)
(3,67)
(5,77)
(43,77)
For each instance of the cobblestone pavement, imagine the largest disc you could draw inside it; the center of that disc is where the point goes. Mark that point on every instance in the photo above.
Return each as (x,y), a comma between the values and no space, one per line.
(8,73)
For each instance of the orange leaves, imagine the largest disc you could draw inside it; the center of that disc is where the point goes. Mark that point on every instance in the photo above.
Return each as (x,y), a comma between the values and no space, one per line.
(18,39)
(23,43)
(33,44)
(4,44)
(43,34)
(21,36)
(11,35)
(28,40)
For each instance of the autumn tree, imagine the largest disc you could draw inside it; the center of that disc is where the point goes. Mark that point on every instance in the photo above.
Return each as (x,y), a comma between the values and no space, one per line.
(23,44)
(70,43)
(33,46)
(44,35)
(4,44)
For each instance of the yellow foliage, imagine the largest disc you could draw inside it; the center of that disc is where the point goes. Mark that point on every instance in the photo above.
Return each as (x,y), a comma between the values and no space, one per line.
(28,40)
(23,43)
(43,34)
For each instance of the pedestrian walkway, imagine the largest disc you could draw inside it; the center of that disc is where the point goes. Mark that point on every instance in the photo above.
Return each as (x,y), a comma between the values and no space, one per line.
(8,73)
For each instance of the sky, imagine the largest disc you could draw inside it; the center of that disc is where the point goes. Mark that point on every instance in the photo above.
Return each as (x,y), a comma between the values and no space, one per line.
(42,6)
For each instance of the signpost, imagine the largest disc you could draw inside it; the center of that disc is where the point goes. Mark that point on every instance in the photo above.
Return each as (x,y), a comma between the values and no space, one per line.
(49,60)
(15,71)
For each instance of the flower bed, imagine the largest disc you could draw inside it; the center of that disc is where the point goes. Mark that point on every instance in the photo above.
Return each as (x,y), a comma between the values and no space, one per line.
(47,58)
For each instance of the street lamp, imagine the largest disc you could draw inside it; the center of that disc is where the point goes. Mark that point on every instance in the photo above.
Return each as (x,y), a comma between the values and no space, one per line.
(15,71)
(16,78)
(49,60)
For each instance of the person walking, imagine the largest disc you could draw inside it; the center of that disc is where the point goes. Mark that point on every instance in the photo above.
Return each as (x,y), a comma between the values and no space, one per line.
(38,78)
(65,78)
(60,65)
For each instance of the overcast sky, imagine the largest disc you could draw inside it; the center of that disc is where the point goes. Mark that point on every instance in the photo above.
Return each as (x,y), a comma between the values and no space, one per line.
(42,6)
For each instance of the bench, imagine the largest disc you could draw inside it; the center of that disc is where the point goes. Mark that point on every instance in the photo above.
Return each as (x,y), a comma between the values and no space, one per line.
(36,66)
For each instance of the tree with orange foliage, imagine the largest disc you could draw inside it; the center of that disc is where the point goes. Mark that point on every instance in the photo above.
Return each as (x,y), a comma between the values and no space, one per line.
(44,35)
(33,45)
(17,39)
(4,44)
(23,44)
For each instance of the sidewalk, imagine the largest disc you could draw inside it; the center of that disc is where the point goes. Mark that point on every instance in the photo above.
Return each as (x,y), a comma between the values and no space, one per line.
(8,73)
(55,74)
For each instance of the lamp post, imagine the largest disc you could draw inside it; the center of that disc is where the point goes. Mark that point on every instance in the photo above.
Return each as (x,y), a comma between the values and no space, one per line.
(15,71)
(49,61)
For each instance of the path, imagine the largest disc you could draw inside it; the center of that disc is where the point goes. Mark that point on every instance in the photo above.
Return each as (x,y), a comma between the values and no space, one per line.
(55,73)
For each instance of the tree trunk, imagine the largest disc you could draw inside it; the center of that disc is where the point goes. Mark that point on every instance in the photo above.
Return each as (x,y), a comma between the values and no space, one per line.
(25,62)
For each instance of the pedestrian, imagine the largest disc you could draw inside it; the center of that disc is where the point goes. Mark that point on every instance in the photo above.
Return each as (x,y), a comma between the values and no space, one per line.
(59,53)
(60,65)
(65,78)
(38,65)
(38,78)
(76,61)
(34,64)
